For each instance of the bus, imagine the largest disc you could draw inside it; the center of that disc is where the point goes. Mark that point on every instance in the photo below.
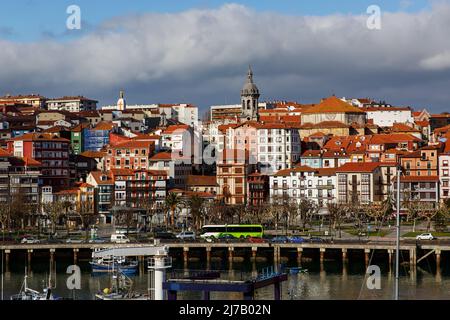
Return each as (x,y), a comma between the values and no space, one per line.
(236,230)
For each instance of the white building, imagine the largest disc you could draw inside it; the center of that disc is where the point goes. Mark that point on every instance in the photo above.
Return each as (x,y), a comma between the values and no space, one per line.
(184,113)
(72,104)
(444,175)
(317,185)
(387,116)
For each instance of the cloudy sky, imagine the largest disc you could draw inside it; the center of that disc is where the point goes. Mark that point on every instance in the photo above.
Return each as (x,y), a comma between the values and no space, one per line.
(198,51)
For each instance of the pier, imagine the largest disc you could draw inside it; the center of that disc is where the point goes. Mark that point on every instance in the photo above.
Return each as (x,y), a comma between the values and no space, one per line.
(210,282)
(239,250)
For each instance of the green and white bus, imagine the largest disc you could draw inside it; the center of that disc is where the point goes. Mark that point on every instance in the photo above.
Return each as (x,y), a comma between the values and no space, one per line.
(236,230)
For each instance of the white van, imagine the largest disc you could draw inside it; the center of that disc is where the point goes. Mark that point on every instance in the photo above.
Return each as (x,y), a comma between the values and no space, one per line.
(119,238)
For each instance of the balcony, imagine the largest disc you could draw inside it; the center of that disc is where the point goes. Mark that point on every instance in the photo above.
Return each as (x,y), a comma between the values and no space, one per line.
(325,187)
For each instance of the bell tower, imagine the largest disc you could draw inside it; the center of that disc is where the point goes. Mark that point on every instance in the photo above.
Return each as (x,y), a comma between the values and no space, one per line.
(249,99)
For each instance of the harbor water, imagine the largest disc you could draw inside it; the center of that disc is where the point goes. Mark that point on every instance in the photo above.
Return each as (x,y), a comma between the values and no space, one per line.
(332,280)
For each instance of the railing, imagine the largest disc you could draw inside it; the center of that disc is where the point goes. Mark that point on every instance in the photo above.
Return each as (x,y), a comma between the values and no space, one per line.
(165,262)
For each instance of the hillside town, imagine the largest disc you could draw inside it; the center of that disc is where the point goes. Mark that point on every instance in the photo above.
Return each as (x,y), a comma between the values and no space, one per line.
(69,163)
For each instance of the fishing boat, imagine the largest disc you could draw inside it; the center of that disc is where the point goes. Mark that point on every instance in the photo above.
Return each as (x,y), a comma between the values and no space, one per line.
(111,264)
(121,289)
(27,293)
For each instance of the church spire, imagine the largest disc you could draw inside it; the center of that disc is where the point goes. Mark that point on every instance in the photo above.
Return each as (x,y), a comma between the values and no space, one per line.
(250,74)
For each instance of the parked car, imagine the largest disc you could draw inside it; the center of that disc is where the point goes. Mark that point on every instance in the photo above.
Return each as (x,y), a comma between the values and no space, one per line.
(280,239)
(97,240)
(165,235)
(186,235)
(295,239)
(425,236)
(119,238)
(256,240)
(30,240)
(74,240)
(316,240)
(54,240)
(226,237)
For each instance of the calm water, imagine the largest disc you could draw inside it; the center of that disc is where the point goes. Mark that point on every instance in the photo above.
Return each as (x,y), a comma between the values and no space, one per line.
(330,282)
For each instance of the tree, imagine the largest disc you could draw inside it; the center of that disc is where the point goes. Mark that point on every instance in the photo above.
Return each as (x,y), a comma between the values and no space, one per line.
(337,213)
(196,207)
(440,222)
(147,205)
(173,203)
(54,210)
(67,205)
(18,210)
(427,211)
(306,210)
(4,215)
(125,216)
(86,212)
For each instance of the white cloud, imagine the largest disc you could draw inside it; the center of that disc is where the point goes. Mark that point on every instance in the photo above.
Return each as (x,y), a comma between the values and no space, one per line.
(440,61)
(185,56)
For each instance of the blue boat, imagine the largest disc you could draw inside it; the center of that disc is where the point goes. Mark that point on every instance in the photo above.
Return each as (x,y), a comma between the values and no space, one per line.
(122,265)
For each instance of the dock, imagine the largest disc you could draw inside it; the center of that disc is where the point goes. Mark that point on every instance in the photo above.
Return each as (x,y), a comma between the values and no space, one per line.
(409,248)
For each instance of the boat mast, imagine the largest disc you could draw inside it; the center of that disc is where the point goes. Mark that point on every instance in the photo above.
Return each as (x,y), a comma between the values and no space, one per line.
(397,253)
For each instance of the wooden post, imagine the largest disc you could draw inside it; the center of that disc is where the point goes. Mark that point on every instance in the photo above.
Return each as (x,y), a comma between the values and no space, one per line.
(438,259)
(185,255)
(30,252)
(141,264)
(299,255)
(322,254)
(344,255)
(277,291)
(366,257)
(230,254)
(7,252)
(276,256)
(75,255)
(52,258)
(412,257)
(254,251)
(208,258)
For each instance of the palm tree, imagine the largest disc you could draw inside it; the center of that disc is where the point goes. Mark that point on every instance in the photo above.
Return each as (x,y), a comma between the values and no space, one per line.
(196,206)
(173,202)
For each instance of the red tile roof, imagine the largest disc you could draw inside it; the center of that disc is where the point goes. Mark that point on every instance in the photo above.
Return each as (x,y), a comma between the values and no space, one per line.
(161,156)
(133,144)
(333,105)
(193,180)
(402,127)
(93,154)
(355,167)
(104,125)
(173,128)
(39,137)
(418,178)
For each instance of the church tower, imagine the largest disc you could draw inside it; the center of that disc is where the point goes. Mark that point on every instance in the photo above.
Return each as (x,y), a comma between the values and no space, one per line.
(121,103)
(249,99)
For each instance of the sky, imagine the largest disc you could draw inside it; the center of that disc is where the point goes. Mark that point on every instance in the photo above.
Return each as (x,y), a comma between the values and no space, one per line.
(198,51)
